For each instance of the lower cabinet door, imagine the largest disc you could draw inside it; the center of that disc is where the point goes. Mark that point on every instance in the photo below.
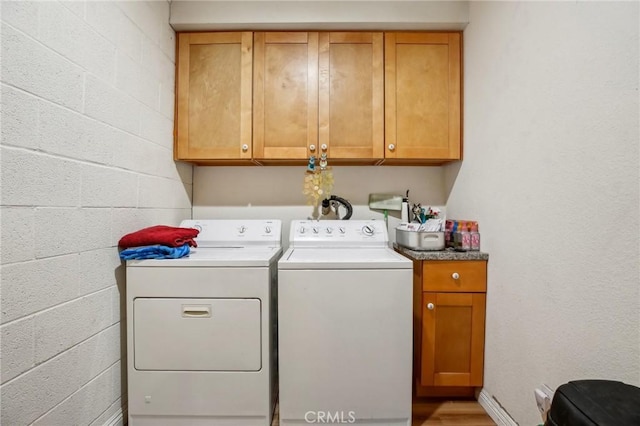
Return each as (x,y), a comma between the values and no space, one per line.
(452,339)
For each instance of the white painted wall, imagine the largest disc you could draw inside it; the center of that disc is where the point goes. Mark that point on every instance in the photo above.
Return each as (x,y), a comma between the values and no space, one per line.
(87,116)
(276,192)
(551,172)
(551,132)
(194,15)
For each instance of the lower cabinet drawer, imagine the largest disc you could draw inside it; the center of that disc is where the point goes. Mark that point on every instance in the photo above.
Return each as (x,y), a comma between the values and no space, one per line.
(454,276)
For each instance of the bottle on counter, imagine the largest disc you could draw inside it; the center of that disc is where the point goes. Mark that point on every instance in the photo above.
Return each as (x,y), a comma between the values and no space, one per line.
(461,237)
(448,233)
(456,235)
(475,238)
(465,239)
(404,213)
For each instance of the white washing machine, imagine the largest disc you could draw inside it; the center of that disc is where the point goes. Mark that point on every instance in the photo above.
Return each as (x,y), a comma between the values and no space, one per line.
(344,326)
(201,330)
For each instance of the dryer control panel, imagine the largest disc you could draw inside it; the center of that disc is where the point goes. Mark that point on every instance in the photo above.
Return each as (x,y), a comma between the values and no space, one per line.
(337,233)
(236,233)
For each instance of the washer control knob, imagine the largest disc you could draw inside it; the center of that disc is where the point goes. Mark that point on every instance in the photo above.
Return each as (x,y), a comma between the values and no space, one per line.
(315,230)
(342,229)
(302,230)
(242,229)
(267,229)
(367,230)
(455,275)
(329,230)
(198,227)
(430,306)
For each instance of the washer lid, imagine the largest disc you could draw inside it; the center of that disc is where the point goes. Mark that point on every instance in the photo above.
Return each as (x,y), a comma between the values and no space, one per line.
(343,258)
(217,257)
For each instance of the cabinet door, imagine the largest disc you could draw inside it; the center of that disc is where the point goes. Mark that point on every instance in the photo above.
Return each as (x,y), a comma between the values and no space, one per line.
(213,111)
(422,96)
(351,95)
(285,95)
(452,339)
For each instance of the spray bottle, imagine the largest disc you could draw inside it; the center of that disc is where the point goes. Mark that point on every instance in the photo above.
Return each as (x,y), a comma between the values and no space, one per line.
(404,213)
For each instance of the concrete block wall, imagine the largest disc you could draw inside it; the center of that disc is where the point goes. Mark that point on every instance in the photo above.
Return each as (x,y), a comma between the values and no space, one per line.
(86,152)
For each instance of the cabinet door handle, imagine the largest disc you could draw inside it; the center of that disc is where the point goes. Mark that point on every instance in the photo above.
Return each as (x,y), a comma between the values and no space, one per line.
(455,275)
(430,306)
(245,147)
(312,147)
(391,147)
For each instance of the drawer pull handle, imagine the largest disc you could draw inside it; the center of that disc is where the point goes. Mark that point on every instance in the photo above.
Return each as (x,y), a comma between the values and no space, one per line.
(430,306)
(455,275)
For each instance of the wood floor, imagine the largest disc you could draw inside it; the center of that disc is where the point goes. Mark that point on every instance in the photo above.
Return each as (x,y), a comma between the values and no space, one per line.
(428,412)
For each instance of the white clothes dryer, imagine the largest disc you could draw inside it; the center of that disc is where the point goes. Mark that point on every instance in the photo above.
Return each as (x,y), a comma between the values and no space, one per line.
(345,326)
(201,330)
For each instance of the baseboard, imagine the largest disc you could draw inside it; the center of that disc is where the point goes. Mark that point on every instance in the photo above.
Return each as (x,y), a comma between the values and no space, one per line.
(117,419)
(495,410)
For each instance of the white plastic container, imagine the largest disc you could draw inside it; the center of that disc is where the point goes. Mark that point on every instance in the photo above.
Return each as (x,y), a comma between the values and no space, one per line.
(421,241)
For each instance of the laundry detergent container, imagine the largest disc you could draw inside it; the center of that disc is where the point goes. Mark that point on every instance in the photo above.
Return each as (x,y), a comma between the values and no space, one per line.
(595,402)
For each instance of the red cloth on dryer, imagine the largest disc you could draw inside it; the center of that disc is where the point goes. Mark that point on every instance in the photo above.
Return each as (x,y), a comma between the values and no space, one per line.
(160,234)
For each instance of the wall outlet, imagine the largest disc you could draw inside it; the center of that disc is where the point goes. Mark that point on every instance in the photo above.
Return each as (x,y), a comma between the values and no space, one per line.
(544,396)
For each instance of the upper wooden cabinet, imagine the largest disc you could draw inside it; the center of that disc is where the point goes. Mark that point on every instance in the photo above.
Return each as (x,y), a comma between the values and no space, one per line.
(351,81)
(285,97)
(280,97)
(213,108)
(318,92)
(422,96)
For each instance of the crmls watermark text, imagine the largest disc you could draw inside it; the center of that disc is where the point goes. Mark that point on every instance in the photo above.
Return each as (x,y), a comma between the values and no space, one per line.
(329,417)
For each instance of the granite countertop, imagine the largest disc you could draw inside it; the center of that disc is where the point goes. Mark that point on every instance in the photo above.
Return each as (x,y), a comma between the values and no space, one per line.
(447,254)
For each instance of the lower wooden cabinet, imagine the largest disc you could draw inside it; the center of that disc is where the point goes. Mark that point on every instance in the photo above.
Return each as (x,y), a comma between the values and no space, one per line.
(452,339)
(449,324)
